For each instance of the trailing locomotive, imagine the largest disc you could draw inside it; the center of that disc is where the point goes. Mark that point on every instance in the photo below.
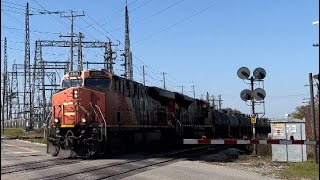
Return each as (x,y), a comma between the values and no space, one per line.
(99,113)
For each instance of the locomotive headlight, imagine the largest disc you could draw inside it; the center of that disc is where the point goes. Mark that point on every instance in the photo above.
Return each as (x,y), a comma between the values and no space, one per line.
(83,120)
(56,120)
(75,94)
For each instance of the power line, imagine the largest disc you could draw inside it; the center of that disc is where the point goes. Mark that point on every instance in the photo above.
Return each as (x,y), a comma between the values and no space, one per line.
(17,29)
(120,10)
(66,25)
(141,5)
(159,12)
(12,11)
(14,41)
(23,6)
(175,24)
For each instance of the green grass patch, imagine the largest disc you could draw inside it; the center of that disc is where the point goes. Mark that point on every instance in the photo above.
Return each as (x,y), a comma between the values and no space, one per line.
(11,132)
(301,170)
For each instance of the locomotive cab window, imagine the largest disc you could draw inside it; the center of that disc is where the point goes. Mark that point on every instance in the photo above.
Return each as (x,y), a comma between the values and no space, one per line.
(101,84)
(67,83)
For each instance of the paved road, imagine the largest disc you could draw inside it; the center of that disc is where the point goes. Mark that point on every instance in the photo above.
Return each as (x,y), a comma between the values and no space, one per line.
(24,160)
(17,151)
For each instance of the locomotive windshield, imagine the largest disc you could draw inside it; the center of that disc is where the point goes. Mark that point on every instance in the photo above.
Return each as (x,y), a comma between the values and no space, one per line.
(71,83)
(102,84)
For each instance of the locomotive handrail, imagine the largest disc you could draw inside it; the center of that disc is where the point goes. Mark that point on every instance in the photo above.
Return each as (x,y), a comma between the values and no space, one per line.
(46,126)
(97,116)
(180,125)
(105,123)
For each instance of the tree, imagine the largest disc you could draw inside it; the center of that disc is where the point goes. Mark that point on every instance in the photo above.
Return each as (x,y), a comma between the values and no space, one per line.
(301,112)
(304,112)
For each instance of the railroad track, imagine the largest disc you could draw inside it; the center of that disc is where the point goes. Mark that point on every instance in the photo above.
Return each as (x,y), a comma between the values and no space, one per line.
(130,167)
(36,165)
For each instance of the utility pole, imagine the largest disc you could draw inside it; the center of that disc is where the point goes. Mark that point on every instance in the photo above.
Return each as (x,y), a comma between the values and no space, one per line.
(220,101)
(5,76)
(72,16)
(181,89)
(194,92)
(164,80)
(143,76)
(313,117)
(213,102)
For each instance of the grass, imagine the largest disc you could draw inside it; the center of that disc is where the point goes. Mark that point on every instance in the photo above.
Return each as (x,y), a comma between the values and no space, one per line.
(288,170)
(12,133)
(299,170)
(302,170)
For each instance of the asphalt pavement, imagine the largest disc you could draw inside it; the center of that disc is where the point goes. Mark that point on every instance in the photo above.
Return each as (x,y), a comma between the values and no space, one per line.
(25,160)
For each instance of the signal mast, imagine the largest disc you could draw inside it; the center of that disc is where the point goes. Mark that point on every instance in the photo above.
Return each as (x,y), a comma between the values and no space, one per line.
(255,96)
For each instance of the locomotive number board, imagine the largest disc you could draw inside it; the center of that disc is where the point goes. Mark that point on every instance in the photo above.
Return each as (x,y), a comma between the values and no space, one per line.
(97,73)
(74,73)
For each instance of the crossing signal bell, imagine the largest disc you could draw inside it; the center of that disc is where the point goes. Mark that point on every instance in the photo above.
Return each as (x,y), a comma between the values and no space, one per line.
(245,95)
(259,94)
(243,73)
(259,73)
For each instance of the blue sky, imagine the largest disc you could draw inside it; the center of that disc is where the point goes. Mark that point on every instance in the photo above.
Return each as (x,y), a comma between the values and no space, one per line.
(201,43)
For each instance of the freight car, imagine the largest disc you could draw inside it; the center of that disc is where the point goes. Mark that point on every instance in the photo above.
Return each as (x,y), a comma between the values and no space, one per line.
(96,112)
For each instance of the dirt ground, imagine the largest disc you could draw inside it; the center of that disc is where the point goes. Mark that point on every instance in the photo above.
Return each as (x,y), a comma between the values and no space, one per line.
(238,159)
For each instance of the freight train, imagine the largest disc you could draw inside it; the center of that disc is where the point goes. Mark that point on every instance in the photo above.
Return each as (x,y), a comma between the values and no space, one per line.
(97,112)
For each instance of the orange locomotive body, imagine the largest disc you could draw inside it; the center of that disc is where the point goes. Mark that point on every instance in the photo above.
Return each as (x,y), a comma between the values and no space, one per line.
(96,112)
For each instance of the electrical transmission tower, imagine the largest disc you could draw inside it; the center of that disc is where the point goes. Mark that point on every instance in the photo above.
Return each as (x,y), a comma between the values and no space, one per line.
(5,86)
(27,92)
(80,63)
(109,58)
(27,83)
(128,66)
(15,91)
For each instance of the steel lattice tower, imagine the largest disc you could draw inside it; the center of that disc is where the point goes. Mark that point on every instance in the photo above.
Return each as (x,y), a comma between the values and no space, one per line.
(27,84)
(5,86)
(127,53)
(38,79)
(108,57)
(15,91)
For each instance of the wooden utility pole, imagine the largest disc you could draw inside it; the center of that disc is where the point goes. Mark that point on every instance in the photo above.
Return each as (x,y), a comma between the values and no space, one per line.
(313,118)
